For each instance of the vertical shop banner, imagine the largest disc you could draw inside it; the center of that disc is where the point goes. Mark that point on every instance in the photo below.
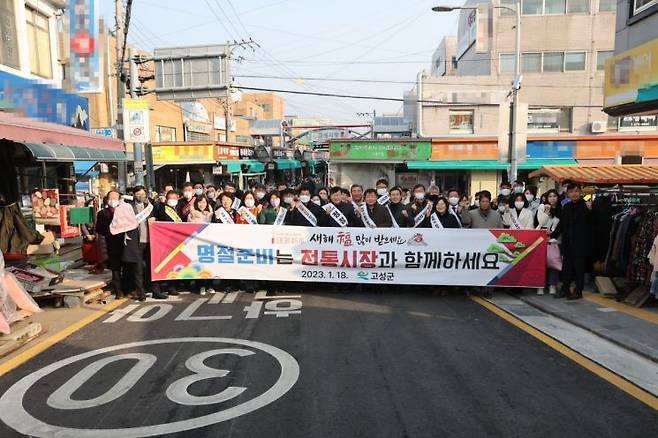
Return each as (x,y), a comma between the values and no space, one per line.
(66,229)
(84,46)
(455,257)
(136,121)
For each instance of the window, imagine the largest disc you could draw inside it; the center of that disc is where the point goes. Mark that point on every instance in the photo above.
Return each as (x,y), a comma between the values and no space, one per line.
(510,4)
(531,62)
(549,119)
(507,63)
(638,123)
(641,5)
(553,61)
(607,5)
(461,122)
(574,61)
(532,7)
(613,123)
(576,6)
(165,133)
(555,6)
(38,35)
(601,57)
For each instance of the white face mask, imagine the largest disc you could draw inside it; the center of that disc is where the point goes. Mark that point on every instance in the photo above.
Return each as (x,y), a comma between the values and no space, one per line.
(518,189)
(287,200)
(211,195)
(530,197)
(113,203)
(249,203)
(502,208)
(453,201)
(519,205)
(172,202)
(419,196)
(187,195)
(260,195)
(317,202)
(304,198)
(505,192)
(275,202)
(198,192)
(382,192)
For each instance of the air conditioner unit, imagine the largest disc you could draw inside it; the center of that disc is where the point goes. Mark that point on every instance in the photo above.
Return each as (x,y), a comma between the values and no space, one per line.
(599,126)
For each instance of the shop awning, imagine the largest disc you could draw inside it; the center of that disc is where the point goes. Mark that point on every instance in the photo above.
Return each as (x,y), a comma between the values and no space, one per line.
(52,152)
(235,166)
(287,164)
(606,174)
(31,131)
(531,163)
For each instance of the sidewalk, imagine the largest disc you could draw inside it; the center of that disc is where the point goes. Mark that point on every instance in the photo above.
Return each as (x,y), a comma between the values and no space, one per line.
(631,328)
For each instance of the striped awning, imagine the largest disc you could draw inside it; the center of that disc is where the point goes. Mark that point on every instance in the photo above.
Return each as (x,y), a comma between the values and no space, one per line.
(610,174)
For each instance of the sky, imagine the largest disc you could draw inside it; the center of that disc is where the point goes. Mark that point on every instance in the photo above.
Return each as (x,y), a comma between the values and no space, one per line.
(389,40)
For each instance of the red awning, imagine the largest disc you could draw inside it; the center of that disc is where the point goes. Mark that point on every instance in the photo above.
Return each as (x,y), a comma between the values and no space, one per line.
(27,130)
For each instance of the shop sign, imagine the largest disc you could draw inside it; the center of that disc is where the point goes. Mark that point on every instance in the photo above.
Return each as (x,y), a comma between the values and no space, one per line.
(632,76)
(84,61)
(43,102)
(136,121)
(468,26)
(246,153)
(226,152)
(67,231)
(217,170)
(183,154)
(380,150)
(465,151)
(105,132)
(8,39)
(45,206)
(199,127)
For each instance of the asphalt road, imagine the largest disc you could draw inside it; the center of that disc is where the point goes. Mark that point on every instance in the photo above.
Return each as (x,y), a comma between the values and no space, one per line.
(351,364)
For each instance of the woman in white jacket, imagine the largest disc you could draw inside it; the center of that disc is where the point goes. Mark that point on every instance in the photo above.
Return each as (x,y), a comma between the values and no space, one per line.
(548,216)
(518,216)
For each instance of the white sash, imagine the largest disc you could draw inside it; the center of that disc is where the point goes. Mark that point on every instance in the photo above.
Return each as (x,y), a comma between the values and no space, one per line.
(383,200)
(280,216)
(336,215)
(357,207)
(395,223)
(515,222)
(253,220)
(367,220)
(454,213)
(421,216)
(144,214)
(223,216)
(436,222)
(308,215)
(236,204)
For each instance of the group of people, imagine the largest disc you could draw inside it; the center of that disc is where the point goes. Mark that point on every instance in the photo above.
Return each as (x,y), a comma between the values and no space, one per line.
(565,217)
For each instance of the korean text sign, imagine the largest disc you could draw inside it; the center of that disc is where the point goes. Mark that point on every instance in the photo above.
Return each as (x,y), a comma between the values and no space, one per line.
(348,255)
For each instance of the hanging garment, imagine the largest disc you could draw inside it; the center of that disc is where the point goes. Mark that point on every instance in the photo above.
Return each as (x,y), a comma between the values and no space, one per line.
(15,233)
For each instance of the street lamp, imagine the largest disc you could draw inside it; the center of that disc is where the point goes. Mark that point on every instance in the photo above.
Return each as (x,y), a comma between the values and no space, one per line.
(513,159)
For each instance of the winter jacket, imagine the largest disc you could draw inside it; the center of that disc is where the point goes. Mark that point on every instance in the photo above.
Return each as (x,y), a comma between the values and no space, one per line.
(447,219)
(296,218)
(379,215)
(412,210)
(482,219)
(575,229)
(348,211)
(525,219)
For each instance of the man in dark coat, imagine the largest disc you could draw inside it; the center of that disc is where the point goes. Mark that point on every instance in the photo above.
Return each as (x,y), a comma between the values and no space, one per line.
(295,216)
(114,243)
(137,254)
(336,197)
(417,205)
(377,213)
(575,228)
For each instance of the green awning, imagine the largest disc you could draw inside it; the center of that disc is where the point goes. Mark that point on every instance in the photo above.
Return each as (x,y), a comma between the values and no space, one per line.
(531,163)
(282,164)
(61,153)
(235,166)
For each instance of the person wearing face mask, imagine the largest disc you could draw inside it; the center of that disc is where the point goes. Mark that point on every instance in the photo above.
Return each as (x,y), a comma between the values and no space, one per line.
(303,212)
(339,214)
(248,212)
(114,243)
(433,193)
(455,204)
(260,191)
(406,197)
(548,218)
(186,204)
(505,189)
(518,187)
(442,217)
(382,187)
(518,216)
(202,212)
(198,189)
(211,194)
(273,213)
(396,208)
(316,200)
(287,198)
(419,211)
(372,214)
(532,199)
(476,203)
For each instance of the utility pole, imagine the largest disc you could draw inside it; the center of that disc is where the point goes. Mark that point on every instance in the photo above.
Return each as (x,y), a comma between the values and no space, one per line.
(514,116)
(373,114)
(137,147)
(119,35)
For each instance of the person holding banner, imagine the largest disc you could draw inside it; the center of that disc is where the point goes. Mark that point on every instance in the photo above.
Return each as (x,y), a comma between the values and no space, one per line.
(323,193)
(420,210)
(303,212)
(339,214)
(372,214)
(224,212)
(517,216)
(396,208)
(202,211)
(382,187)
(168,211)
(248,213)
(114,243)
(186,204)
(273,213)
(442,217)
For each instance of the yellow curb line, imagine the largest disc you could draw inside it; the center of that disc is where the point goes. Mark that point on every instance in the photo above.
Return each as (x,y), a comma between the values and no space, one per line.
(604,373)
(622,307)
(64,333)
